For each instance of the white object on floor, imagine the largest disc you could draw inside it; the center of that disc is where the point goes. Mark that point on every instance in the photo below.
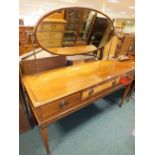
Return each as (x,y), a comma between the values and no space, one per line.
(133,133)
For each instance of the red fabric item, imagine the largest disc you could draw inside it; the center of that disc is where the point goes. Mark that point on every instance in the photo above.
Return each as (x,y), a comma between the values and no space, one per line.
(124,80)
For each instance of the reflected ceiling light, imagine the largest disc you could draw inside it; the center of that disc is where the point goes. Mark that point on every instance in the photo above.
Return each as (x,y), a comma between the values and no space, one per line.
(108,10)
(69,1)
(131,7)
(122,12)
(103,7)
(40,11)
(113,1)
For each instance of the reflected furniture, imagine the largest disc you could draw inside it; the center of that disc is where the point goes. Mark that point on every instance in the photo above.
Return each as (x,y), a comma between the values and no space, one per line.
(51,32)
(110,48)
(25,44)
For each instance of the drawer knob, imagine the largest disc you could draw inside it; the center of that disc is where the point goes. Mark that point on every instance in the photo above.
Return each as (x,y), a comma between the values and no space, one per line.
(91,92)
(114,83)
(62,104)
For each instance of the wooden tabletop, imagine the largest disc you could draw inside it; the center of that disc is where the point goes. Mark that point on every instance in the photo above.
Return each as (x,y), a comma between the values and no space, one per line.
(73,50)
(48,86)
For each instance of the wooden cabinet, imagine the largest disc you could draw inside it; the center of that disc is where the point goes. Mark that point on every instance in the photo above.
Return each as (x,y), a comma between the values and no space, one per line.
(25,45)
(50,32)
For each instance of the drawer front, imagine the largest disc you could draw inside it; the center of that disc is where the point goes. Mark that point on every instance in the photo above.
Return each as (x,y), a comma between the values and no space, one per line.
(49,35)
(60,106)
(51,27)
(101,87)
(50,43)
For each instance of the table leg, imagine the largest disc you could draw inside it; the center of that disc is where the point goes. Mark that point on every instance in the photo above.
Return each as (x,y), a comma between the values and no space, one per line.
(125,94)
(131,92)
(44,135)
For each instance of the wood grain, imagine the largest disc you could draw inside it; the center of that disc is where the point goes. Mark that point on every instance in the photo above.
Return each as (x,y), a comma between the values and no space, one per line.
(51,85)
(41,64)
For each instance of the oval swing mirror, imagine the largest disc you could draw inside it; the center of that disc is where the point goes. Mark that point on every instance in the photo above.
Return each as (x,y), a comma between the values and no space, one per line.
(73,30)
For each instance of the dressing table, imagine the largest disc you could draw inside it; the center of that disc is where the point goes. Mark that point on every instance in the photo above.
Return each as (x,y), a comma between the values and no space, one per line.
(56,93)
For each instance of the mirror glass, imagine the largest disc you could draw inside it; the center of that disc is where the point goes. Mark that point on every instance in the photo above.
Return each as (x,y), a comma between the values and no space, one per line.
(74,30)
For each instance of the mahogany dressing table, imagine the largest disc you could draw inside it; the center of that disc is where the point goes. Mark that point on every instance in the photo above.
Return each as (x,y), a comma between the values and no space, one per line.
(56,93)
(52,98)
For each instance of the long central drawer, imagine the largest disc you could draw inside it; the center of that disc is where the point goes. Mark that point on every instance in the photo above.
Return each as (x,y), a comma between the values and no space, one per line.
(98,88)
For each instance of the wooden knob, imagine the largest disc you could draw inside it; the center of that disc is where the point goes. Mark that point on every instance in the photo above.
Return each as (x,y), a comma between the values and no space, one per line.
(114,83)
(91,92)
(62,104)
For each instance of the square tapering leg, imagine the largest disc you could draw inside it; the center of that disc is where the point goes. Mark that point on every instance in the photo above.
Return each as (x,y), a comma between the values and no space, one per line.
(44,135)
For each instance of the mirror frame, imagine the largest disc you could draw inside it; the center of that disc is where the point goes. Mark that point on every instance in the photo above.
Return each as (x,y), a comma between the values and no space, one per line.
(60,9)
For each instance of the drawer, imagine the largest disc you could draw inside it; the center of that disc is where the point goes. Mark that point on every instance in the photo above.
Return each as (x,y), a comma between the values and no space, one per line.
(101,87)
(51,27)
(49,35)
(50,43)
(60,106)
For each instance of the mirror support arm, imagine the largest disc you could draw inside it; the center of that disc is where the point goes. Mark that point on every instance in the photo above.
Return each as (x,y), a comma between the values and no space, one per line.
(34,52)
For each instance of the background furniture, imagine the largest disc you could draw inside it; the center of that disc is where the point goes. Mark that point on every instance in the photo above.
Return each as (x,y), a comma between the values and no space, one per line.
(125,44)
(25,44)
(111,48)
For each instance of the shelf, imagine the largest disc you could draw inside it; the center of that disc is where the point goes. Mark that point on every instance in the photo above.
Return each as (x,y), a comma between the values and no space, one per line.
(53,20)
(73,50)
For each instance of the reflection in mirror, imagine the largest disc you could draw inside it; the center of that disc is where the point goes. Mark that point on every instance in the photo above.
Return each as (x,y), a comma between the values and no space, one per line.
(71,28)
